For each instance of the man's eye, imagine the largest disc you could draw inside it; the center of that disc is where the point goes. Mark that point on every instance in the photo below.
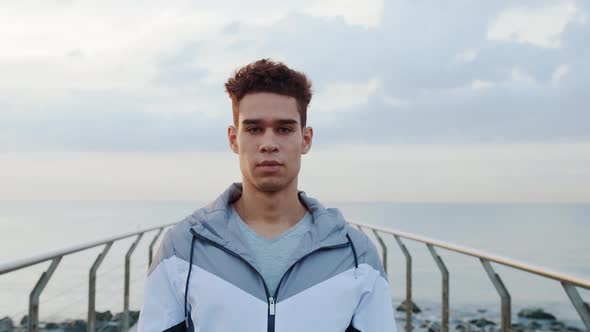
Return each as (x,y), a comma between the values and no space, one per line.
(253,130)
(285,130)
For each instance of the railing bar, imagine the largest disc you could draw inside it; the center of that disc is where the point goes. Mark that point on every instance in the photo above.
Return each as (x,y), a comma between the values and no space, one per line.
(582,307)
(445,287)
(409,302)
(151,251)
(33,323)
(127,274)
(483,255)
(26,262)
(383,250)
(504,295)
(92,287)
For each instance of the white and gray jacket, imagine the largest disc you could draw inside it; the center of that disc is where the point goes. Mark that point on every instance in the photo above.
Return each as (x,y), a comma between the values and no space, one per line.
(203,279)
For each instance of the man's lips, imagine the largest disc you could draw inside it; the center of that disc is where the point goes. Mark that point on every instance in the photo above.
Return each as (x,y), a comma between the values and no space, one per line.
(269,163)
(269,166)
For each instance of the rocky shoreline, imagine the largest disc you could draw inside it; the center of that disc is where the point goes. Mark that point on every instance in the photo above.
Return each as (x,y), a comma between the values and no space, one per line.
(105,322)
(527,320)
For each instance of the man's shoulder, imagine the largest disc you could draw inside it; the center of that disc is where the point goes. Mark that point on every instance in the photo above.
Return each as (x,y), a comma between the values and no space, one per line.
(359,239)
(181,230)
(177,239)
(366,249)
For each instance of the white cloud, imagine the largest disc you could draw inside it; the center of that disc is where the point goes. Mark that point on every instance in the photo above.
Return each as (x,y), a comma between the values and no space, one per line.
(50,49)
(519,75)
(395,102)
(339,96)
(147,56)
(481,84)
(363,13)
(559,73)
(53,48)
(467,55)
(537,26)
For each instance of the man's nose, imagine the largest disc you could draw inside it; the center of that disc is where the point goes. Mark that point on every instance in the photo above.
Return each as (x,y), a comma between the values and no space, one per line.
(269,143)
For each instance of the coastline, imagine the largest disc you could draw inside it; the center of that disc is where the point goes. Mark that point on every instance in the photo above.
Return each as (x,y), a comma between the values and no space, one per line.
(467,319)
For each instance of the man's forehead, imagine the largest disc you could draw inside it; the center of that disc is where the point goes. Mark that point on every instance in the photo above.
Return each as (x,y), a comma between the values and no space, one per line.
(268,108)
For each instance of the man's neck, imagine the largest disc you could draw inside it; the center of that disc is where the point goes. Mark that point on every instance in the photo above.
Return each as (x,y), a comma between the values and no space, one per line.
(270,214)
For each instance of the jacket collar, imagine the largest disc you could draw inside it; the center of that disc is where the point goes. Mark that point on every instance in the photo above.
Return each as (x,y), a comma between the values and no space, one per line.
(213,223)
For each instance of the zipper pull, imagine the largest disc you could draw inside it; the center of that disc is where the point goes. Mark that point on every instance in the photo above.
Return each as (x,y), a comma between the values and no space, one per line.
(271,303)
(186,316)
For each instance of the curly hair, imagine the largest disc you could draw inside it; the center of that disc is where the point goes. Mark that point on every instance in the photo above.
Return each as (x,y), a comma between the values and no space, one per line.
(266,75)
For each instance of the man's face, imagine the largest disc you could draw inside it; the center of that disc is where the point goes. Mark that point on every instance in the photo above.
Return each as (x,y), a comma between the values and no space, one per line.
(269,140)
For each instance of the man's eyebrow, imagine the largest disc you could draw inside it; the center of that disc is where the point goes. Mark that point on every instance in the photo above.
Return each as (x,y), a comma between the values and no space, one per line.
(251,121)
(286,122)
(276,122)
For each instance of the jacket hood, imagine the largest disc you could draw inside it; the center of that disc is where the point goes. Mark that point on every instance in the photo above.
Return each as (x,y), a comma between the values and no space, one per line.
(213,222)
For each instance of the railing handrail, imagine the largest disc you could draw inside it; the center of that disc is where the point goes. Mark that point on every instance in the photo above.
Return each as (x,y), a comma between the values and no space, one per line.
(18,264)
(481,254)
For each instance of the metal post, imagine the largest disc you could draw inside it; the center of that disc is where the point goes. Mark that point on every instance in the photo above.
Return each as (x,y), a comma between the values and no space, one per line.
(126,296)
(445,287)
(409,303)
(92,287)
(504,295)
(582,307)
(36,292)
(152,247)
(383,250)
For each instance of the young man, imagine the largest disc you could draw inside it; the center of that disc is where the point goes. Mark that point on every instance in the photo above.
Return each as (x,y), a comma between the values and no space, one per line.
(265,256)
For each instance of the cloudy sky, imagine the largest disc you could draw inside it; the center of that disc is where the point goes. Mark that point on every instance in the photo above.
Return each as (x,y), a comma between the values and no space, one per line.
(415,101)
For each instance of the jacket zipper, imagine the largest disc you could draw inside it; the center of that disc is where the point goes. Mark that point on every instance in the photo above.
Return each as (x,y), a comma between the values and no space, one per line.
(271,302)
(271,327)
(271,299)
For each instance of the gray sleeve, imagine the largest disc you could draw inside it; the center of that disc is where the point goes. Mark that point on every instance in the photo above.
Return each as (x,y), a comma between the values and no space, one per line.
(165,250)
(374,312)
(366,250)
(162,306)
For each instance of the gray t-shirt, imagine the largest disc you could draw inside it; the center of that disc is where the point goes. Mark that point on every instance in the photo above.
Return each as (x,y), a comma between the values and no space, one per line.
(271,256)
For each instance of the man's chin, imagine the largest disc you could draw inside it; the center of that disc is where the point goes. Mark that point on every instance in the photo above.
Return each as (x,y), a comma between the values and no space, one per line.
(270,186)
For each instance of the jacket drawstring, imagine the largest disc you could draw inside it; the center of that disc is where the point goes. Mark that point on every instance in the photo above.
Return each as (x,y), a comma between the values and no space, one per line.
(190,266)
(356,261)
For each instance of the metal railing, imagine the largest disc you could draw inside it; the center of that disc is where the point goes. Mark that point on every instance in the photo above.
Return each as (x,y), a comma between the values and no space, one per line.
(569,283)
(55,258)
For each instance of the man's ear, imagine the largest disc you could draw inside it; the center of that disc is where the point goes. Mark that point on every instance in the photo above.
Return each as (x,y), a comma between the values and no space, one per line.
(232,137)
(307,139)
